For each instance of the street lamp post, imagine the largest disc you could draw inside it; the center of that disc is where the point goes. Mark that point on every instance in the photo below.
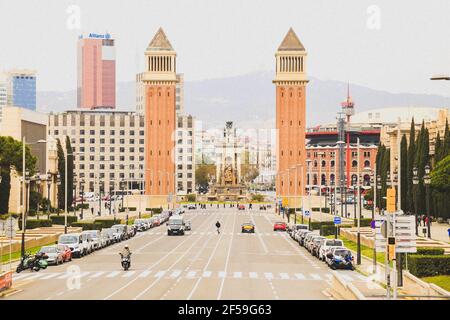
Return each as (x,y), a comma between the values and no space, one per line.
(303,190)
(308,163)
(427,181)
(82,197)
(416,184)
(65,189)
(354,196)
(320,155)
(49,181)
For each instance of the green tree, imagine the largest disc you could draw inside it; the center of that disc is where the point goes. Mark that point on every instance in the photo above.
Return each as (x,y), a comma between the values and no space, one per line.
(446,143)
(409,205)
(203,173)
(70,167)
(11,152)
(440,183)
(403,173)
(61,171)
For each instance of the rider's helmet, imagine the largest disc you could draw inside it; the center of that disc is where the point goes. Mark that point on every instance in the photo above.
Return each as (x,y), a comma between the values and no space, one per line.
(126,246)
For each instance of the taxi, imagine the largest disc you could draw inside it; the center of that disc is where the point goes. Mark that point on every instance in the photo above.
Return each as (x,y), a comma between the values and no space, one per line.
(248,228)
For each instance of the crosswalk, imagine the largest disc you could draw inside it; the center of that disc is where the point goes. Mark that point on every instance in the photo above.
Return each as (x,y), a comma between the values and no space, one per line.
(189,274)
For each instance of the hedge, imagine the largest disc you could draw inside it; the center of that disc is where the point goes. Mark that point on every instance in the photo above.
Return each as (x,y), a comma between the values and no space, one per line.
(61,219)
(88,225)
(154,210)
(430,251)
(324,209)
(327,230)
(315,225)
(429,265)
(106,223)
(363,222)
(32,224)
(85,206)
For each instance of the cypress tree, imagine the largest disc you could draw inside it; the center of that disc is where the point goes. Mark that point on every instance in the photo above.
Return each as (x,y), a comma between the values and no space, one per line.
(70,168)
(403,173)
(409,206)
(438,149)
(61,171)
(446,144)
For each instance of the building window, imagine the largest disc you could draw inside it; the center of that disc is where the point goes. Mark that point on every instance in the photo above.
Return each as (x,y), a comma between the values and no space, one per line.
(354,164)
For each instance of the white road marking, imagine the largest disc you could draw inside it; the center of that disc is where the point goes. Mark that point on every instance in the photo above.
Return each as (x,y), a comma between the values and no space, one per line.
(222,274)
(113,274)
(299,276)
(65,275)
(284,275)
(253,275)
(315,276)
(206,274)
(128,274)
(346,277)
(160,274)
(175,274)
(268,275)
(36,275)
(97,274)
(145,273)
(50,275)
(237,275)
(191,274)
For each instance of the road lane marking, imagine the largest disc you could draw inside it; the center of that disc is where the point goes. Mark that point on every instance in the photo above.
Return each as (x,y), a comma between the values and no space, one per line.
(299,276)
(175,274)
(237,275)
(145,273)
(222,274)
(128,274)
(97,274)
(65,275)
(315,276)
(160,274)
(206,274)
(113,274)
(49,276)
(347,277)
(284,275)
(268,275)
(191,274)
(226,261)
(253,275)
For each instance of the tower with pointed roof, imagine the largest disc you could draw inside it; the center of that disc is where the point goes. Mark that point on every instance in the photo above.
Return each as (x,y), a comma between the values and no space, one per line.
(290,82)
(159,81)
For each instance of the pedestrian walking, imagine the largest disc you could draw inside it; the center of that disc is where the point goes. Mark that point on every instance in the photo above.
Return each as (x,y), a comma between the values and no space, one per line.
(419,221)
(92,210)
(448,231)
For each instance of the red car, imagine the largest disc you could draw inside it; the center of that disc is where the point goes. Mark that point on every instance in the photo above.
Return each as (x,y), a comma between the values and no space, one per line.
(241,207)
(279,226)
(66,252)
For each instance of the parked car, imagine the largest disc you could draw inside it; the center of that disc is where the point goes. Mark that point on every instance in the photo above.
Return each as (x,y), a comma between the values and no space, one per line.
(191,206)
(187,226)
(120,232)
(54,255)
(315,246)
(140,225)
(77,242)
(131,231)
(248,227)
(156,221)
(327,245)
(241,207)
(279,226)
(67,254)
(108,235)
(296,227)
(93,238)
(301,236)
(308,239)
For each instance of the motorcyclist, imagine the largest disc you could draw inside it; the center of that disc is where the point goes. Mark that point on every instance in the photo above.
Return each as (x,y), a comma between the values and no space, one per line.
(125,253)
(218,226)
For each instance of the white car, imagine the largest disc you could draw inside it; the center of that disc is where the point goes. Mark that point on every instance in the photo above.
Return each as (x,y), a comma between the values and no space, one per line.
(77,242)
(94,239)
(327,246)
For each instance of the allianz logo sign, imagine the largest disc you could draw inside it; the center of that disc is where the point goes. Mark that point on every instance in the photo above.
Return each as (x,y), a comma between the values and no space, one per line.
(99,36)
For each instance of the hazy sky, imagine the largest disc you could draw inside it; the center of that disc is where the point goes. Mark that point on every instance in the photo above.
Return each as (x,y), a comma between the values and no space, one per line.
(394,45)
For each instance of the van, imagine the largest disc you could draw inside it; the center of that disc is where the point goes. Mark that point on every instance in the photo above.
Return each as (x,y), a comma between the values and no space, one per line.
(175,225)
(77,242)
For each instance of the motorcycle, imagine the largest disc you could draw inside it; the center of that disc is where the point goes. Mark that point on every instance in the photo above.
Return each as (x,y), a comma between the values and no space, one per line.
(126,261)
(338,262)
(34,263)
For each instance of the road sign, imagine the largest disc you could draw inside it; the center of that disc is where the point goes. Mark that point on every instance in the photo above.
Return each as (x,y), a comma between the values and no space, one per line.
(337,220)
(404,232)
(306,213)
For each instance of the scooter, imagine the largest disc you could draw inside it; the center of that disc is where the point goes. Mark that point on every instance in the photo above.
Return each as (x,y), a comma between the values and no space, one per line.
(126,261)
(34,263)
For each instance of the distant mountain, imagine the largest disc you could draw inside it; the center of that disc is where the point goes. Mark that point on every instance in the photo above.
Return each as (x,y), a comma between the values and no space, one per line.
(249,100)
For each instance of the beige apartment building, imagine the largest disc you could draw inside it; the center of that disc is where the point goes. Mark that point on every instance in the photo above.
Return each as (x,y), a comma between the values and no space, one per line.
(21,122)
(108,147)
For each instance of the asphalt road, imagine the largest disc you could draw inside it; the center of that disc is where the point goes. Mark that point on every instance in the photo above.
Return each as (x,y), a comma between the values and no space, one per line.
(198,265)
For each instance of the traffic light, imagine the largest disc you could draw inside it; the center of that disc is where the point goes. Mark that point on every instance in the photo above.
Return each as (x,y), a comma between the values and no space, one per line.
(391,248)
(390,200)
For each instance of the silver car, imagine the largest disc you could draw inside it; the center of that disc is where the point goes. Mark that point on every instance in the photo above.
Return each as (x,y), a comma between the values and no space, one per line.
(55,255)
